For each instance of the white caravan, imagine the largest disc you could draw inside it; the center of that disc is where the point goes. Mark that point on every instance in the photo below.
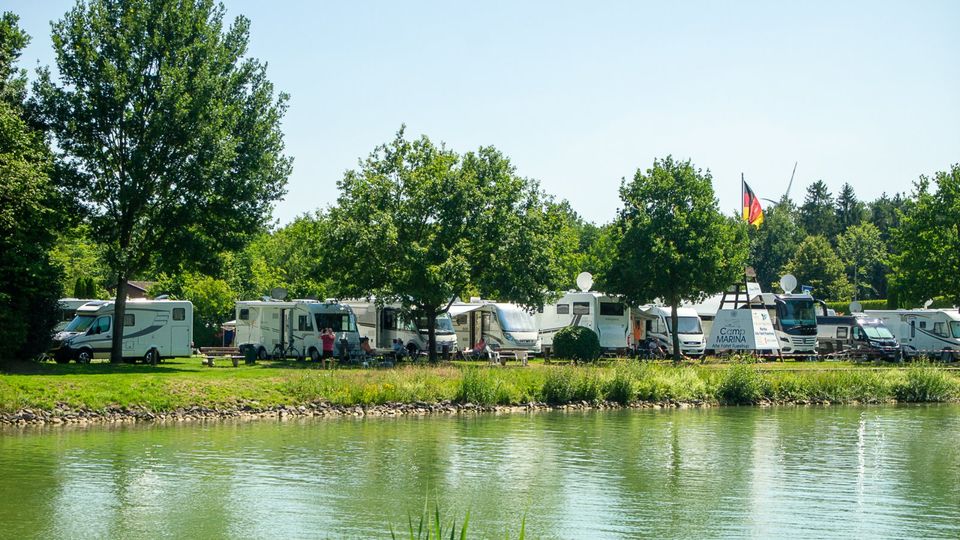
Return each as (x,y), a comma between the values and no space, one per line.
(657,325)
(382,325)
(929,332)
(505,328)
(67,308)
(292,328)
(152,330)
(605,315)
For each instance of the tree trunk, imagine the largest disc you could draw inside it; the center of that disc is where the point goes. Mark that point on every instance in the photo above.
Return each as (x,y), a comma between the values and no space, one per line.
(119,309)
(674,320)
(432,334)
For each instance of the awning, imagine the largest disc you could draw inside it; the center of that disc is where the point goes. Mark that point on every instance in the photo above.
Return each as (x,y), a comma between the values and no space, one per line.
(459,309)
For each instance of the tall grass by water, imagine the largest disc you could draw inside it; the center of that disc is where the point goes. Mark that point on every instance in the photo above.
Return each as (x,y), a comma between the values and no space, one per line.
(264,385)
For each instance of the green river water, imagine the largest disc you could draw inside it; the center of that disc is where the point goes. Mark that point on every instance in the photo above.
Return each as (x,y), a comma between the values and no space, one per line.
(807,472)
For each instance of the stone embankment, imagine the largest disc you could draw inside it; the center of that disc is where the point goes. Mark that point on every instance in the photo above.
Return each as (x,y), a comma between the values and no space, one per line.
(64,415)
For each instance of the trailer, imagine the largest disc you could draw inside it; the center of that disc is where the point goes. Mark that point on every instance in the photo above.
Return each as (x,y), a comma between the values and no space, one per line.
(657,325)
(924,332)
(384,324)
(858,335)
(291,329)
(506,328)
(152,330)
(606,315)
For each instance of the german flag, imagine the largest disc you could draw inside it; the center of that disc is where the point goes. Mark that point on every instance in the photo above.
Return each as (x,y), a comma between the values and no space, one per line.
(752,211)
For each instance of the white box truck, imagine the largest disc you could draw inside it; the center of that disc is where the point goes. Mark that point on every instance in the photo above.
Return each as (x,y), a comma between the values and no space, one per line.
(291,329)
(152,330)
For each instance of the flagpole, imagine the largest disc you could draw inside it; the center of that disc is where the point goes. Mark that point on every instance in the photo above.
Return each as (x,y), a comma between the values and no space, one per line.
(743,183)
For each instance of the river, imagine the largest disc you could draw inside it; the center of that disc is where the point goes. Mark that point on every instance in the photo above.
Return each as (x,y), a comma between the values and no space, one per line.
(812,472)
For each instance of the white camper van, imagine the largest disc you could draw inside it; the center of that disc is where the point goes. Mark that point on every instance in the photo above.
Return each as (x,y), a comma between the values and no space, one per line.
(505,328)
(152,330)
(929,332)
(382,325)
(605,315)
(68,310)
(656,322)
(292,329)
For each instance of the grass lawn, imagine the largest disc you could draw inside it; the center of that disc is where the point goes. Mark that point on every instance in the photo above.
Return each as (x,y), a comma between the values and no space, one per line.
(184,382)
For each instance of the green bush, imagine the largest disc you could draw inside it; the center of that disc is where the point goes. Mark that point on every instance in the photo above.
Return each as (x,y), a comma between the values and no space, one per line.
(620,388)
(478,386)
(559,386)
(577,343)
(741,384)
(925,383)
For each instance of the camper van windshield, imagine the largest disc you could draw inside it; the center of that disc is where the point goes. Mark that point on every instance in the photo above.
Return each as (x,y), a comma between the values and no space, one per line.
(797,312)
(515,320)
(80,323)
(444,324)
(339,322)
(877,331)
(686,325)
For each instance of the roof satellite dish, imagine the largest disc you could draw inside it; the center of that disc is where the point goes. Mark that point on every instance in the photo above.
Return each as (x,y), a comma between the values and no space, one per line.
(788,283)
(278,293)
(856,307)
(928,303)
(584,281)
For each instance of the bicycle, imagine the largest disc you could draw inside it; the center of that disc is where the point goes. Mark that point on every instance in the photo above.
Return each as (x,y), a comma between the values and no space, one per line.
(282,351)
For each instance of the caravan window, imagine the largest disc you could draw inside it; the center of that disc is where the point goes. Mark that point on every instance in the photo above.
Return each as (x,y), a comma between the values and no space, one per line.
(687,325)
(563,309)
(179,313)
(581,308)
(244,314)
(612,309)
(940,329)
(842,332)
(101,325)
(955,328)
(129,319)
(80,324)
(304,323)
(389,319)
(923,324)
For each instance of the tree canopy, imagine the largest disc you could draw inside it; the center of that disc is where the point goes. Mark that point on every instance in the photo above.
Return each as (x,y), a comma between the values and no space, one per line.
(674,244)
(815,263)
(170,133)
(419,224)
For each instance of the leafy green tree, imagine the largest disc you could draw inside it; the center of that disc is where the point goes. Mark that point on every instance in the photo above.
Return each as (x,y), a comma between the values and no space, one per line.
(81,257)
(927,242)
(30,283)
(419,225)
(171,133)
(850,211)
(861,249)
(775,242)
(885,213)
(674,244)
(817,214)
(817,264)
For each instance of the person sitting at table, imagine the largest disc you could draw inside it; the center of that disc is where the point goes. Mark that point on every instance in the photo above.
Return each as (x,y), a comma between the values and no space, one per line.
(365,347)
(398,350)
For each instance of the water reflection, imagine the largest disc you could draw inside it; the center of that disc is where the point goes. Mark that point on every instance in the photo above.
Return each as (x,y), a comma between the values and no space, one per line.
(840,472)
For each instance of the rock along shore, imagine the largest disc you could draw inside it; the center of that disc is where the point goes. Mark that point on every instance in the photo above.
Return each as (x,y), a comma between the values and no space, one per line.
(65,415)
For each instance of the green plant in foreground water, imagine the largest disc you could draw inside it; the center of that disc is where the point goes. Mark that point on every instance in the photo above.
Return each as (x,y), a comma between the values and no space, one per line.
(427,530)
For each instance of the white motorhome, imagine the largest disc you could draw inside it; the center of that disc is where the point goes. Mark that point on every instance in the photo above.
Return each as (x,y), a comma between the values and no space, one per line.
(381,325)
(505,328)
(292,328)
(68,310)
(605,315)
(928,332)
(656,322)
(794,318)
(152,330)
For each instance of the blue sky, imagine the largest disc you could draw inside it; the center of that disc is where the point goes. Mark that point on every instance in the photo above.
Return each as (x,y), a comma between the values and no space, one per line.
(580,95)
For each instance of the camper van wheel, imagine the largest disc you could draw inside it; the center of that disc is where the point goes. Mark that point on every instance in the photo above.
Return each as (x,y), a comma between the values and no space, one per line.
(84,356)
(314,354)
(946,356)
(261,353)
(151,357)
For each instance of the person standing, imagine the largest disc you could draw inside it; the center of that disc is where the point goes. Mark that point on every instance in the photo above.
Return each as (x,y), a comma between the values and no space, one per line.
(328,338)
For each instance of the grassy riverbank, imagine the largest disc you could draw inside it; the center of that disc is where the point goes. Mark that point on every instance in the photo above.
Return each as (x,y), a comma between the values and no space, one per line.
(184,383)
